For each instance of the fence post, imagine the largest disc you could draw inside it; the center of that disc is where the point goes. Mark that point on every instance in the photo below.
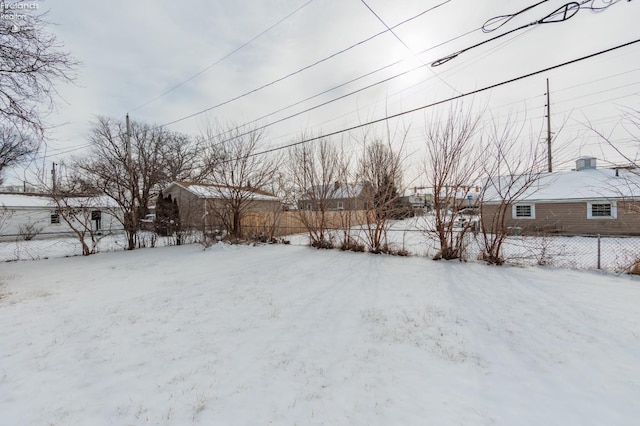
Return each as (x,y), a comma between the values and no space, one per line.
(598,251)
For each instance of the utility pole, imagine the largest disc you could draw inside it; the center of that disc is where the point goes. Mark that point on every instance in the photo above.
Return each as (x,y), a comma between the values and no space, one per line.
(129,146)
(132,187)
(53,178)
(549,164)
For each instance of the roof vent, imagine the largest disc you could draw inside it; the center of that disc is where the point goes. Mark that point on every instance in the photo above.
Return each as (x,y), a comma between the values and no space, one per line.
(584,163)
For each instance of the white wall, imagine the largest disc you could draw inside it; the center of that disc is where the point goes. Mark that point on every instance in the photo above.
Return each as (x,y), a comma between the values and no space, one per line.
(11,219)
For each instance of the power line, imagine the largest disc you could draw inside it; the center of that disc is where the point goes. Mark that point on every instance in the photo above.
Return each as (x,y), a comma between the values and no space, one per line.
(598,92)
(596,80)
(430,78)
(406,45)
(561,14)
(208,67)
(291,74)
(353,80)
(453,98)
(319,105)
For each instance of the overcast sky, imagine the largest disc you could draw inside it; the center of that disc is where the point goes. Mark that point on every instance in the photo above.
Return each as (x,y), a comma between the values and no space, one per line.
(134,51)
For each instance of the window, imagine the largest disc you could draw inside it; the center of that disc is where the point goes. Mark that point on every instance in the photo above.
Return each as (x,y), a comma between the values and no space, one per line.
(55,218)
(524,211)
(601,210)
(308,206)
(96,218)
(340,205)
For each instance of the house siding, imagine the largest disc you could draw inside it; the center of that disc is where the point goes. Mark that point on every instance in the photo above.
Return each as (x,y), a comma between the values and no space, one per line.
(570,218)
(14,218)
(356,203)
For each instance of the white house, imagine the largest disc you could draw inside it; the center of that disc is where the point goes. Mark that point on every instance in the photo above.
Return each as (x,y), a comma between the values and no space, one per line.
(38,214)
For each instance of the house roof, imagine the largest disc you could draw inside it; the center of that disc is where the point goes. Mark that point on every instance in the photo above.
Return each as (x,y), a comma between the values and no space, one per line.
(212,191)
(336,190)
(45,201)
(587,184)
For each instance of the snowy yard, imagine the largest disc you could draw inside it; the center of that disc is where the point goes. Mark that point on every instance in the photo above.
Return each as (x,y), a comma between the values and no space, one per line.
(292,335)
(617,254)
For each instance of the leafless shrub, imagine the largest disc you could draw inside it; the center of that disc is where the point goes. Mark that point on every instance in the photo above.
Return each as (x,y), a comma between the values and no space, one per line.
(315,169)
(635,268)
(29,230)
(380,167)
(511,168)
(5,215)
(453,168)
(351,244)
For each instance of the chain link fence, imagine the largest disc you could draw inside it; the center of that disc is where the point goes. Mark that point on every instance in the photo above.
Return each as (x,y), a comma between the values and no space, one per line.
(613,254)
(66,244)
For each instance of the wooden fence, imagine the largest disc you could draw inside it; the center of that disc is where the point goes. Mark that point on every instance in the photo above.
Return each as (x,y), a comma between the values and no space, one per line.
(276,224)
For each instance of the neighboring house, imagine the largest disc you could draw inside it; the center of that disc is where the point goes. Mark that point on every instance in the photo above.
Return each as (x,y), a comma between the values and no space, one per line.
(23,213)
(338,196)
(205,204)
(418,201)
(585,201)
(455,198)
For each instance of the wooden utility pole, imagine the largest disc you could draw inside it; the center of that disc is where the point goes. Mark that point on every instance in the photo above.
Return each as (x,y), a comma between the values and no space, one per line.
(132,187)
(129,145)
(53,178)
(549,164)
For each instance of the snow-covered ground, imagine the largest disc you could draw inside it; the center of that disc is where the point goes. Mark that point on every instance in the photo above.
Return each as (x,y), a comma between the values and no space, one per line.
(288,335)
(47,248)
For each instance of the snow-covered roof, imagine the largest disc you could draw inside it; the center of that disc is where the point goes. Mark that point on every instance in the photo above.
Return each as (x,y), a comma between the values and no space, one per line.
(220,191)
(587,184)
(45,201)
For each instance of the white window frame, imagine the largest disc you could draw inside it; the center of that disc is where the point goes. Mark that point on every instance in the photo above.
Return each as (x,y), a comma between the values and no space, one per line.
(340,205)
(54,218)
(614,210)
(514,211)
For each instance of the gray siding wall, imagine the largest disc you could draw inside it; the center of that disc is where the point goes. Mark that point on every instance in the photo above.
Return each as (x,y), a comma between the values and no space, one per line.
(192,208)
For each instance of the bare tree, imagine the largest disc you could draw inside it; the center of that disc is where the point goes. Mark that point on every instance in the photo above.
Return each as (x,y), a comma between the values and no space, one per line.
(315,169)
(84,210)
(130,179)
(380,168)
(84,217)
(81,211)
(453,165)
(31,61)
(511,167)
(240,174)
(630,124)
(181,158)
(15,147)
